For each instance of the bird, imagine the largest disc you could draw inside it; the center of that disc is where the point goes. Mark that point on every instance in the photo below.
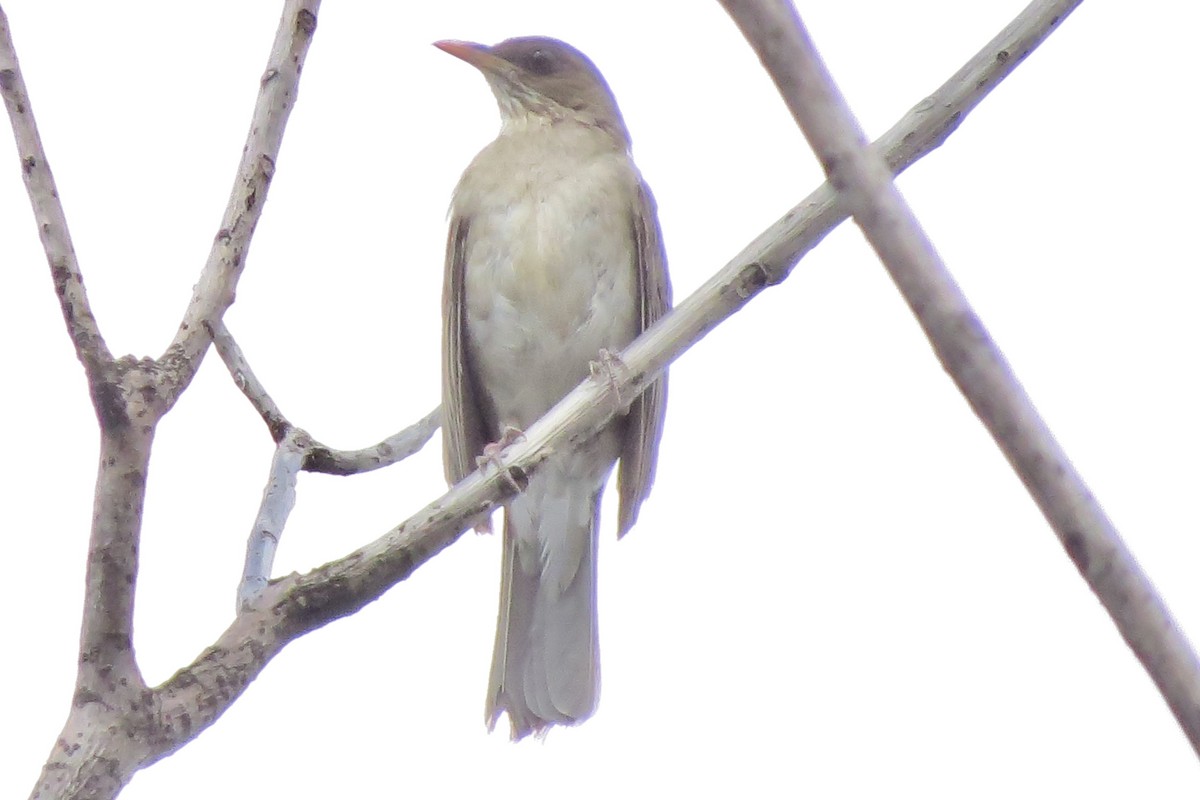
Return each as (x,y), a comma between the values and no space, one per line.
(554,256)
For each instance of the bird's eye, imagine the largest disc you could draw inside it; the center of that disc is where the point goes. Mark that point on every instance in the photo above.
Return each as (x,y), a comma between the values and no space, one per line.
(540,62)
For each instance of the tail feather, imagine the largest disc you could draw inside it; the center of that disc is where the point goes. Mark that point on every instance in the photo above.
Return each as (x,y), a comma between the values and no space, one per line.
(546,662)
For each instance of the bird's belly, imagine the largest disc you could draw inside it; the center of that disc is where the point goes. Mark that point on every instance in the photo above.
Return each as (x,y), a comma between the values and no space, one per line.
(549,282)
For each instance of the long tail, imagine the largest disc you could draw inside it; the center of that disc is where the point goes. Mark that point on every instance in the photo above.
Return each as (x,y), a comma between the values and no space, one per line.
(546,663)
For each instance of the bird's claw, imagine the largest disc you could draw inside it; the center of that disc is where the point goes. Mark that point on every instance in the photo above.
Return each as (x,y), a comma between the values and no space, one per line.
(491,453)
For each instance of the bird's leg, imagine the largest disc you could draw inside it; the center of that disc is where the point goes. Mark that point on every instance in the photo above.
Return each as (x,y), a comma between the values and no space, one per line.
(491,452)
(605,368)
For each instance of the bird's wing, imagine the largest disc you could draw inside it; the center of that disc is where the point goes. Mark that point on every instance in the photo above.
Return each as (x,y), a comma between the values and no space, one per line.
(639,453)
(463,435)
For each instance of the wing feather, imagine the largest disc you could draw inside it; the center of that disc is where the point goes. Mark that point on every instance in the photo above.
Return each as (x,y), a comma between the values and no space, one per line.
(644,425)
(463,424)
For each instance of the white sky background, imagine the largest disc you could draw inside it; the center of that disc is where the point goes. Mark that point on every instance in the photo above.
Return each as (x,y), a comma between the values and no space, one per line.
(838,588)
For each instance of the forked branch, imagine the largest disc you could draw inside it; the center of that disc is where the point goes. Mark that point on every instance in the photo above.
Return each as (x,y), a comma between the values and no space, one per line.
(297,451)
(115,726)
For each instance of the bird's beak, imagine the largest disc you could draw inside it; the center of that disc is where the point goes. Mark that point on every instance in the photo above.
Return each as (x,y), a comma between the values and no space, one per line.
(477,55)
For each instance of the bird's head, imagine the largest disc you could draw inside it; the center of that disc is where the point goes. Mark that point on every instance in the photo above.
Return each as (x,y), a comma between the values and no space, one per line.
(540,77)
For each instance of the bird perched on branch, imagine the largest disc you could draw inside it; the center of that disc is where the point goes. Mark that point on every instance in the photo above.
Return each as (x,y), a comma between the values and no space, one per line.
(554,256)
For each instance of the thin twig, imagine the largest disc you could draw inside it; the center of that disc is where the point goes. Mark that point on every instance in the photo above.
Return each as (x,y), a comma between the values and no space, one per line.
(319,457)
(968,354)
(395,448)
(246,380)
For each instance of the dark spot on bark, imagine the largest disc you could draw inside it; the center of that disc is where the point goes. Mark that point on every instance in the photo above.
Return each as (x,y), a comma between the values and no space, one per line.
(950,125)
(319,604)
(110,406)
(8,79)
(279,428)
(60,274)
(753,278)
(250,200)
(136,478)
(183,679)
(1074,543)
(27,164)
(1002,56)
(306,22)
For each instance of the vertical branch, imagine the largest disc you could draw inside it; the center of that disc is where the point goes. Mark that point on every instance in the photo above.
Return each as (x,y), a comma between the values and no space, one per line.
(279,498)
(864,184)
(107,667)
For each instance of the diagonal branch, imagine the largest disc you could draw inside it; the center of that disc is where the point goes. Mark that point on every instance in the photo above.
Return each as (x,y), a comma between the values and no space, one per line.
(52,221)
(318,457)
(968,354)
(295,605)
(246,380)
(214,293)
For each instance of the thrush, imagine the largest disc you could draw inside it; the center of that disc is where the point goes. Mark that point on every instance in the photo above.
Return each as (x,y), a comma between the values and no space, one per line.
(554,256)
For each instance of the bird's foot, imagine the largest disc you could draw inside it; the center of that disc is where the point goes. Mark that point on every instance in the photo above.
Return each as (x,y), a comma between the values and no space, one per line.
(491,455)
(605,368)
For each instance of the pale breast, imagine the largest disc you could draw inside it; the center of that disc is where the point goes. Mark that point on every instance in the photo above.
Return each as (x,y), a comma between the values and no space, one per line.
(549,266)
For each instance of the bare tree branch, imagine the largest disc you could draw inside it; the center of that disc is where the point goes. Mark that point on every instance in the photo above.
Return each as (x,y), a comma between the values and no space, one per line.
(317,456)
(114,726)
(968,354)
(397,447)
(246,380)
(215,291)
(52,223)
(279,498)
